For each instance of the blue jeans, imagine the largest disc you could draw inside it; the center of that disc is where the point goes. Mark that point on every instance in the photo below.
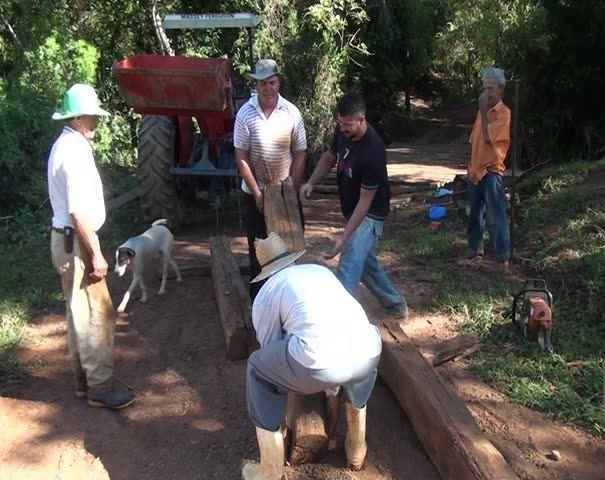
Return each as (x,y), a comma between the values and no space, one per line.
(358,262)
(272,373)
(487,199)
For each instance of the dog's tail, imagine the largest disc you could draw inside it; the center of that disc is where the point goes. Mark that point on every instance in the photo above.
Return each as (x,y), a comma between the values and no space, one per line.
(160,221)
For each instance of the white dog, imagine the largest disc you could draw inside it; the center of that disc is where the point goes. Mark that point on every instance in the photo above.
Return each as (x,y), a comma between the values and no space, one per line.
(137,251)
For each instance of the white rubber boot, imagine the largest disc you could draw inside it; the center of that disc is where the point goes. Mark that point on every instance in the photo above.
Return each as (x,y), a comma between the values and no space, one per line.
(355,440)
(271,466)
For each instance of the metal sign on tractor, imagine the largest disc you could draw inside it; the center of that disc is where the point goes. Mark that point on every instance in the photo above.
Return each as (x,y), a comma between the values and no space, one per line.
(169,91)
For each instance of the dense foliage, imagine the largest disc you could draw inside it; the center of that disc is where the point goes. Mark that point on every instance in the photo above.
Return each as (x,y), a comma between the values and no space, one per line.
(384,49)
(551,47)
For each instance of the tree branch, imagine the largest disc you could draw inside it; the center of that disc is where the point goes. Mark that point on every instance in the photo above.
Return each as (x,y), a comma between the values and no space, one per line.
(159,31)
(8,27)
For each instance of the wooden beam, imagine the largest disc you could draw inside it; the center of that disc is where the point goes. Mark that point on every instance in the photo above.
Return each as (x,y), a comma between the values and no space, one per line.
(233,299)
(200,271)
(451,437)
(296,229)
(306,416)
(123,199)
(276,215)
(282,215)
(441,352)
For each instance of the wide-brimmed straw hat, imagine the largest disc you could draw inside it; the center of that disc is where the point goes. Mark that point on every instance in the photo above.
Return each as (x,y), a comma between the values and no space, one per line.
(80,99)
(264,69)
(273,255)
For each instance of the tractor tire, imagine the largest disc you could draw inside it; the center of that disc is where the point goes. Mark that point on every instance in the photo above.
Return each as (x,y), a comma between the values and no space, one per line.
(156,155)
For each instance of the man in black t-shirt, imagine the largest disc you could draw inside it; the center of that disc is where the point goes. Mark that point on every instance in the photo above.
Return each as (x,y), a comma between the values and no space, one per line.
(363,185)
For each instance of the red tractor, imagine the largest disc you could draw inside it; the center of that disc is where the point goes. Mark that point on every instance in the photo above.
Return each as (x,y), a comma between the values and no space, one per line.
(169,91)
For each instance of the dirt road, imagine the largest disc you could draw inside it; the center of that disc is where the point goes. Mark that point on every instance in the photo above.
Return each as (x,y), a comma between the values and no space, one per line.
(189,421)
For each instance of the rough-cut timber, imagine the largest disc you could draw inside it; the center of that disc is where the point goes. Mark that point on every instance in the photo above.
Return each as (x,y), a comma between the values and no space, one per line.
(282,215)
(447,430)
(451,437)
(448,349)
(291,200)
(306,416)
(200,271)
(233,301)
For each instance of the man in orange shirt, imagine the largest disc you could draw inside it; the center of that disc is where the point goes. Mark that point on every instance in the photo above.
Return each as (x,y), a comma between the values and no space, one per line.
(490,140)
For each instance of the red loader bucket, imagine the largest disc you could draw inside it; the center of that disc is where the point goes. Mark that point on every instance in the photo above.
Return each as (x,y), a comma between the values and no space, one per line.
(164,85)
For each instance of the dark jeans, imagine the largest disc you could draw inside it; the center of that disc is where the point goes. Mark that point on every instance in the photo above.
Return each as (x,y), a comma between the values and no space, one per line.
(487,199)
(256,227)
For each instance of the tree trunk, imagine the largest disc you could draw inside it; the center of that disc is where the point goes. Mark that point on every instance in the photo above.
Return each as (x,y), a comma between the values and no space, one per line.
(306,416)
(159,30)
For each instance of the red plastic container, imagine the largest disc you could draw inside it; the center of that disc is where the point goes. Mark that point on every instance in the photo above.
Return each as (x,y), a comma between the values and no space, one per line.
(164,85)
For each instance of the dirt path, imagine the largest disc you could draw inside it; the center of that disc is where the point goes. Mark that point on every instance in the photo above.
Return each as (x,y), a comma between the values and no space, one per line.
(190,420)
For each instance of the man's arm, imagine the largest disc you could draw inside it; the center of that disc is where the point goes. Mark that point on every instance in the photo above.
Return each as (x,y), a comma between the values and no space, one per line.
(361,210)
(483,109)
(499,133)
(323,167)
(243,164)
(266,319)
(298,167)
(91,244)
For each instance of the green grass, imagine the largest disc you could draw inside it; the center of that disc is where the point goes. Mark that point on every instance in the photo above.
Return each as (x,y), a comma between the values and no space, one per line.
(28,283)
(561,238)
(555,178)
(421,242)
(518,367)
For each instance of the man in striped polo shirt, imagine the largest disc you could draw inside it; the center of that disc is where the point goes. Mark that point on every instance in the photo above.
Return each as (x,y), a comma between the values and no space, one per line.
(270,143)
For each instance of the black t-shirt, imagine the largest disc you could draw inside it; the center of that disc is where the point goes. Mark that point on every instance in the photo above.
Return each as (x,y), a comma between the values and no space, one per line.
(362,164)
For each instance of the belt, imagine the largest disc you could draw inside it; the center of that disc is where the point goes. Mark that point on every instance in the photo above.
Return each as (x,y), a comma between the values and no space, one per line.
(62,231)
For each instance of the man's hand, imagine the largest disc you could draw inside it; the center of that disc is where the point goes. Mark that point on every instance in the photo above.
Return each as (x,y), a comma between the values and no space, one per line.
(99,268)
(305,192)
(483,102)
(259,198)
(339,246)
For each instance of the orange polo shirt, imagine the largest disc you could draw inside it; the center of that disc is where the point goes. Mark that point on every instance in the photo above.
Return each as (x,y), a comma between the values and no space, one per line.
(489,157)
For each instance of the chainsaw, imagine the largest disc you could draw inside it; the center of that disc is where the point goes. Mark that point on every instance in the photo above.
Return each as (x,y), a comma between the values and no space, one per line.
(534,316)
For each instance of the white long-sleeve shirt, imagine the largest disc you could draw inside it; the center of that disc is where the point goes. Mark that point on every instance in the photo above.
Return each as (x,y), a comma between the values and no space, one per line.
(308,302)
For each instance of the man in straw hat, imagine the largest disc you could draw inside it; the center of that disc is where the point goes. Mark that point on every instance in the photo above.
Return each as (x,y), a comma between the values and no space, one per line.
(270,143)
(314,337)
(76,196)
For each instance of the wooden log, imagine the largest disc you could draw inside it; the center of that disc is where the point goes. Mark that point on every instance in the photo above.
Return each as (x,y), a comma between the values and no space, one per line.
(451,437)
(295,222)
(306,415)
(326,189)
(233,299)
(282,215)
(123,199)
(276,215)
(395,190)
(200,271)
(447,430)
(448,349)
